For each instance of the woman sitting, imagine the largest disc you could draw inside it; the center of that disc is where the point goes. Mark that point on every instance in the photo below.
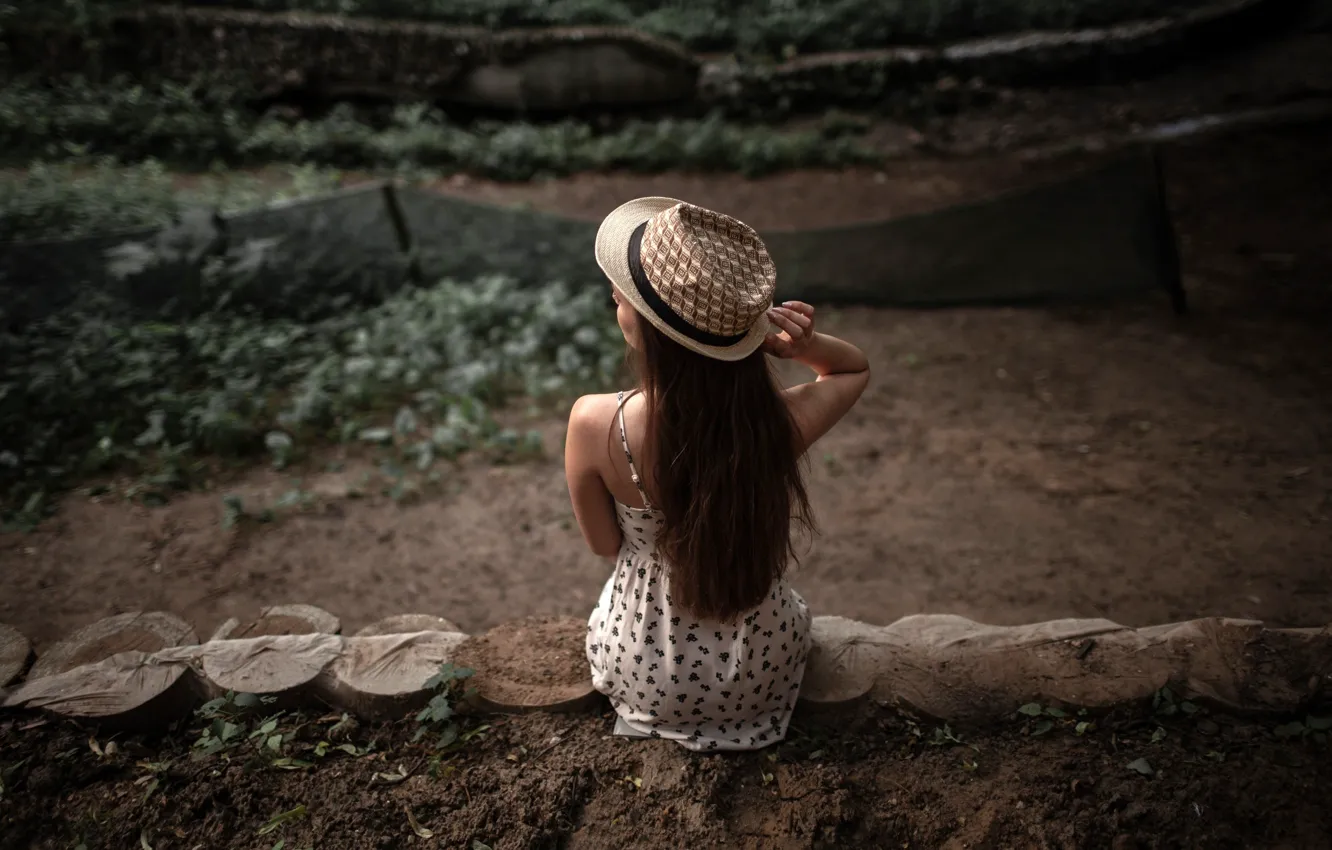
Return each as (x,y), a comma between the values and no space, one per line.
(693,481)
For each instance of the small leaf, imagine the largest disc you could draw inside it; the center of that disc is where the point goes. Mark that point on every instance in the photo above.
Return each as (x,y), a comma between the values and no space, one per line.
(281,818)
(274,743)
(1055,712)
(375,435)
(291,764)
(1289,730)
(477,845)
(1188,708)
(1158,735)
(421,831)
(1141,766)
(1040,727)
(398,776)
(1083,727)
(1031,709)
(1319,724)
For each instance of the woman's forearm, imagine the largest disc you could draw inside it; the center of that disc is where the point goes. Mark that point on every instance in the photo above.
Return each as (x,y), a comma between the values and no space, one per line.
(828,356)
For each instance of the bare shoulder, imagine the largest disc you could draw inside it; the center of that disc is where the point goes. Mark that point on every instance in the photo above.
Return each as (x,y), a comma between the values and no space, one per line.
(592,413)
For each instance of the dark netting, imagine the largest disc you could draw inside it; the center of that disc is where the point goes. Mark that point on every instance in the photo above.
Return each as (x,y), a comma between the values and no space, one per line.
(1100,234)
(463,240)
(39,278)
(1097,235)
(313,257)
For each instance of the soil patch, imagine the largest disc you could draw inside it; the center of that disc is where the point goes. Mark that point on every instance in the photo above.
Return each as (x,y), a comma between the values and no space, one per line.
(534,661)
(1006,465)
(877,779)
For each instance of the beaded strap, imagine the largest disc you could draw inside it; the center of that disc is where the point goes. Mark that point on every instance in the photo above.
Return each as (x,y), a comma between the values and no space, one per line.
(624,441)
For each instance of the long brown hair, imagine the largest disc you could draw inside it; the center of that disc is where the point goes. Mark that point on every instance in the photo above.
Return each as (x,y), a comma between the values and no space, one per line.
(727,474)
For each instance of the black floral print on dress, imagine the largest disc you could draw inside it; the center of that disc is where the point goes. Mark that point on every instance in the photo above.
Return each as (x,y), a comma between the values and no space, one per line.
(765,649)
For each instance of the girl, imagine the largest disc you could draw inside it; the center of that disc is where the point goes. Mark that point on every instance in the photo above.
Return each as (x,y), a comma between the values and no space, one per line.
(693,481)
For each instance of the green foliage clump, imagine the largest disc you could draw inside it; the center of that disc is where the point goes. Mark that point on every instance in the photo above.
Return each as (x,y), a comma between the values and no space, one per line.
(763,27)
(206,126)
(90,389)
(62,200)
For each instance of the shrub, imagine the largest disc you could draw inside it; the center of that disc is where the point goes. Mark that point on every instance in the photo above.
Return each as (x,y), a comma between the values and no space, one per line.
(60,200)
(203,127)
(88,390)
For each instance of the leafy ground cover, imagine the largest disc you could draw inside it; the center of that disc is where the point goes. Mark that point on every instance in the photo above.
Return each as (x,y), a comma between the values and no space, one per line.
(90,389)
(765,27)
(240,774)
(49,200)
(206,126)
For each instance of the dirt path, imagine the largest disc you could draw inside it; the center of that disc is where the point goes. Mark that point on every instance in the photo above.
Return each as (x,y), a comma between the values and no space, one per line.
(1006,465)
(880,780)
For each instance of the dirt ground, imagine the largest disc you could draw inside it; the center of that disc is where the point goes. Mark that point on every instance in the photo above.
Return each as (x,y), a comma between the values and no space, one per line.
(878,780)
(1006,465)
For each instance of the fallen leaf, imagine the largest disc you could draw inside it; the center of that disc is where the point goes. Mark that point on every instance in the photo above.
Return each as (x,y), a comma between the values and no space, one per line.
(391,778)
(1031,709)
(281,818)
(421,831)
(1141,766)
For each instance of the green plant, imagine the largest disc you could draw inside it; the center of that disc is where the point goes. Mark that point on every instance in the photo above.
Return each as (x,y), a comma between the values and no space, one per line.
(64,199)
(226,726)
(437,718)
(202,125)
(91,390)
(1044,717)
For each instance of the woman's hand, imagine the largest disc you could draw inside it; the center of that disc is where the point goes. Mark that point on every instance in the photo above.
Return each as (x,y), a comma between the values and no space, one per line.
(794,321)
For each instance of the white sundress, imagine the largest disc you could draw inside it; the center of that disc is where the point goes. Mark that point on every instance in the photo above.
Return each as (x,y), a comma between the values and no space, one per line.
(706,685)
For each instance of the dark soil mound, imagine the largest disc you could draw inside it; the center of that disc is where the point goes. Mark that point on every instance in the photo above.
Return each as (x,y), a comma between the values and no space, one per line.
(879,780)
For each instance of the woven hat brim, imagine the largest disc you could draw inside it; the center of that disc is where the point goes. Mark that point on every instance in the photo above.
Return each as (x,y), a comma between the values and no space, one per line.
(613,256)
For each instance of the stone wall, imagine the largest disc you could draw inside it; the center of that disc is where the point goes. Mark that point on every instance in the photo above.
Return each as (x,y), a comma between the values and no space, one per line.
(554,70)
(146,669)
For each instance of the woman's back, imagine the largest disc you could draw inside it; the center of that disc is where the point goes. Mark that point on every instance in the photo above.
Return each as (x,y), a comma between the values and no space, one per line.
(710,685)
(695,486)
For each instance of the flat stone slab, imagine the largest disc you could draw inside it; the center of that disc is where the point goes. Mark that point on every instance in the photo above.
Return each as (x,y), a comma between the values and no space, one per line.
(134,690)
(282,666)
(950,667)
(15,654)
(537,664)
(400,624)
(138,631)
(382,677)
(280,620)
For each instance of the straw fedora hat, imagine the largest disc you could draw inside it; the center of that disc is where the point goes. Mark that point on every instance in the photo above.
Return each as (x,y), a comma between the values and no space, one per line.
(702,278)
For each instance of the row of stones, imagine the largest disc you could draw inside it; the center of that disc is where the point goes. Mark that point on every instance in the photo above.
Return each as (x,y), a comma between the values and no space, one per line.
(146,669)
(563,69)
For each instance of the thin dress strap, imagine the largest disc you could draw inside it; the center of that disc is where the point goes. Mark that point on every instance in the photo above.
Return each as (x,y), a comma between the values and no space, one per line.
(624,441)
